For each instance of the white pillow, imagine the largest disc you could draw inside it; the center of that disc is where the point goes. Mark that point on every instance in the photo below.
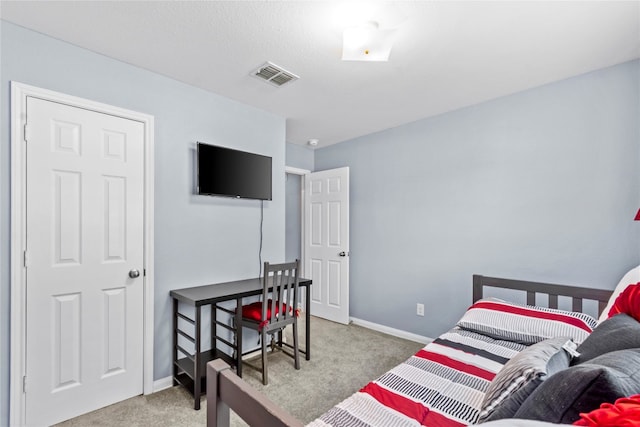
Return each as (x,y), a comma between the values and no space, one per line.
(525,324)
(631,278)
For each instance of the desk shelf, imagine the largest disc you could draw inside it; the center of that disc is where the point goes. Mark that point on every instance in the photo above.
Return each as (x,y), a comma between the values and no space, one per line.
(185,374)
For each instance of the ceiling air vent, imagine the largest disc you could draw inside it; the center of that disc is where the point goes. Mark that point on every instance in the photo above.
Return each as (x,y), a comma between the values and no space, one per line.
(274,75)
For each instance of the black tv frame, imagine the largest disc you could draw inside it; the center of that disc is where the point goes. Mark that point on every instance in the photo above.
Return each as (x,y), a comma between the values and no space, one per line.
(237,170)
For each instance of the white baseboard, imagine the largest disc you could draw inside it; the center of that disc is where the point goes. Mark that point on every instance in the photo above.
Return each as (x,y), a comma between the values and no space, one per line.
(167,382)
(391,331)
(162,383)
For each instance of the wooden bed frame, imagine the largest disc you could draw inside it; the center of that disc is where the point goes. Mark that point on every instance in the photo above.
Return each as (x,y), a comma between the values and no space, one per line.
(225,390)
(576,293)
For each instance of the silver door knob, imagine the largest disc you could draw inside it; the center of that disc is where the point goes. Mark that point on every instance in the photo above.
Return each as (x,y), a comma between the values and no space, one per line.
(134,273)
(343,253)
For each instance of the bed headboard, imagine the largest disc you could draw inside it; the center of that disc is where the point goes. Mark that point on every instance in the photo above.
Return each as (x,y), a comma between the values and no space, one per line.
(576,293)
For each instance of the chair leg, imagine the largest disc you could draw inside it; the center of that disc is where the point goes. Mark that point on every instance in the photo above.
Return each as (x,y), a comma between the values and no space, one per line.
(238,334)
(296,351)
(265,378)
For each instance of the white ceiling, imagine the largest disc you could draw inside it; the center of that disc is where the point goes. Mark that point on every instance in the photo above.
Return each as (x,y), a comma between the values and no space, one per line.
(447,54)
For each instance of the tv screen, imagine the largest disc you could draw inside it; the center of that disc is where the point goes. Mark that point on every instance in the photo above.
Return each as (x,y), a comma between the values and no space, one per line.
(232,173)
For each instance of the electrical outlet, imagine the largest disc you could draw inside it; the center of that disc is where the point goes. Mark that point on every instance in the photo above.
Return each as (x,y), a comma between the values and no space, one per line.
(420,309)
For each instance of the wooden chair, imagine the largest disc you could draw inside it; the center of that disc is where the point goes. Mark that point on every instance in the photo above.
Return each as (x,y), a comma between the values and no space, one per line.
(277,310)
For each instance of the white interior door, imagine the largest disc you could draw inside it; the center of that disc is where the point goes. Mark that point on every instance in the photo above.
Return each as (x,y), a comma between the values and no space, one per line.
(326,252)
(84,222)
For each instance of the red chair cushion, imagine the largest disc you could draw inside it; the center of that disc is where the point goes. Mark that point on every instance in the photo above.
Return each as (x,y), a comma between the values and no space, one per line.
(628,302)
(253,311)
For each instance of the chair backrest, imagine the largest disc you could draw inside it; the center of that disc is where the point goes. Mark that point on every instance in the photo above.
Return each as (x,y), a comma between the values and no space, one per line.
(281,281)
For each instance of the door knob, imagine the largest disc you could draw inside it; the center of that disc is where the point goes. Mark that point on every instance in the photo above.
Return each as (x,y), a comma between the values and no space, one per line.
(343,253)
(134,273)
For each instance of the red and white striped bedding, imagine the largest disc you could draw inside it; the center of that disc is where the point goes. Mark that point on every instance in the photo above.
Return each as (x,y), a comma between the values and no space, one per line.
(442,385)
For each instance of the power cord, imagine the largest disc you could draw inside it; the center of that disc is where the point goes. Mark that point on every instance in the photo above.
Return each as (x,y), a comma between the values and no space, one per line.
(261,222)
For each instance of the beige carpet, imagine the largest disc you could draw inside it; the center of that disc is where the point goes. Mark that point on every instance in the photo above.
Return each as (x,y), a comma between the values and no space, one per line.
(343,359)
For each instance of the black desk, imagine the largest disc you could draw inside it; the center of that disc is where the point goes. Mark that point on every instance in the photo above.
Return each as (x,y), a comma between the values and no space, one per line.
(190,371)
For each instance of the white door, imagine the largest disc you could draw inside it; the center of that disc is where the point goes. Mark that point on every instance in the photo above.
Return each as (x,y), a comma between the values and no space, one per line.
(84,237)
(326,254)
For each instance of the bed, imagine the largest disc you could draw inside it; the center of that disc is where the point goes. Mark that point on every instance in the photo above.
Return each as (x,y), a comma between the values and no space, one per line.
(453,381)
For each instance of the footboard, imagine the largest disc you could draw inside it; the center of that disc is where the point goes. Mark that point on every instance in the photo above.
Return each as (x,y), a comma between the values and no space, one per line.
(225,390)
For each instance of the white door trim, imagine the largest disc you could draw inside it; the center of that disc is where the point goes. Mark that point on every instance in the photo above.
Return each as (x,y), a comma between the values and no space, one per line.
(301,172)
(19,94)
(296,171)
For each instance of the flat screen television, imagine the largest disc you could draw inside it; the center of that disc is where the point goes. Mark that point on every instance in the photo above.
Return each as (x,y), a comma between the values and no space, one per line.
(233,173)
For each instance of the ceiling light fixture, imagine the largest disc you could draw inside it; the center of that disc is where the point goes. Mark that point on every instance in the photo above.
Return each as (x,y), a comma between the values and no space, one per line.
(367,42)
(313,142)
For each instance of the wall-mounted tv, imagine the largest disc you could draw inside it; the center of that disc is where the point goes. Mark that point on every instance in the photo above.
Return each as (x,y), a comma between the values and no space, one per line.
(233,173)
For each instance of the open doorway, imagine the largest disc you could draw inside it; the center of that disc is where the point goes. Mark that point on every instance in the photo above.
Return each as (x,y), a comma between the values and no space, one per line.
(317,204)
(294,205)
(294,214)
(293,217)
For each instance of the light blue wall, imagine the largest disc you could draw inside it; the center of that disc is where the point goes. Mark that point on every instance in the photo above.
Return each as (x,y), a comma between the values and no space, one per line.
(541,185)
(300,157)
(198,239)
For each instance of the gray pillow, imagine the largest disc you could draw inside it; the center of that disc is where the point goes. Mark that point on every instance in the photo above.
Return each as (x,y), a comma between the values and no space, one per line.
(521,375)
(616,333)
(583,388)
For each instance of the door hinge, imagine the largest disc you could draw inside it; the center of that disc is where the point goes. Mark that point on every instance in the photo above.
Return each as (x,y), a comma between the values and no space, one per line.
(26,133)
(24,384)
(26,259)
